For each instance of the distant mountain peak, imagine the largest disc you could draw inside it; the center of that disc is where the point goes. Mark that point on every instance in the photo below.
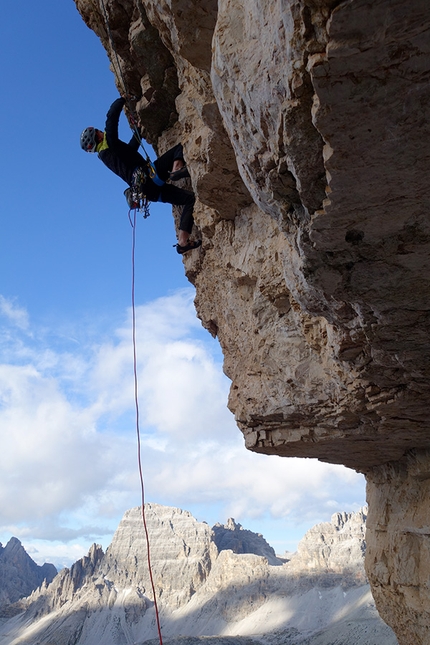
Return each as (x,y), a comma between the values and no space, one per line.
(19,574)
(234,537)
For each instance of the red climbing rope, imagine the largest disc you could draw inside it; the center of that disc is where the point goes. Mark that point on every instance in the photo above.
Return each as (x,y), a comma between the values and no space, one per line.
(136,402)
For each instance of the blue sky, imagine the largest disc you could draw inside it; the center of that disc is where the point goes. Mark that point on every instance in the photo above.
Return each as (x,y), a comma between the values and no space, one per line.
(68,466)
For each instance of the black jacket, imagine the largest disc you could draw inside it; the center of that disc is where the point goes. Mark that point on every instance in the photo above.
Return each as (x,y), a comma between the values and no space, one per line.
(120,157)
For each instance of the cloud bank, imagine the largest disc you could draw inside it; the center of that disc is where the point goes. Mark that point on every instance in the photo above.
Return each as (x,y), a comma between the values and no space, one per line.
(68,464)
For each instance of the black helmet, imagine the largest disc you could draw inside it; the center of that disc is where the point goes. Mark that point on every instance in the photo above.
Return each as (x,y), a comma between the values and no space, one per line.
(88,140)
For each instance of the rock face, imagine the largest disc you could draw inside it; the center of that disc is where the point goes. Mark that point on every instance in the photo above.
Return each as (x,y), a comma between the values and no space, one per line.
(203,587)
(305,125)
(398,557)
(235,538)
(337,546)
(19,574)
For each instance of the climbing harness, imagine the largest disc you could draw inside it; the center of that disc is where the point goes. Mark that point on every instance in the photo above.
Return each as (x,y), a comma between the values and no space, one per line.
(139,202)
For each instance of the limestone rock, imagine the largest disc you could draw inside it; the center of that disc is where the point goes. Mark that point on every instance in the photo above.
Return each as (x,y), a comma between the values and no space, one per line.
(312,197)
(336,547)
(181,553)
(398,555)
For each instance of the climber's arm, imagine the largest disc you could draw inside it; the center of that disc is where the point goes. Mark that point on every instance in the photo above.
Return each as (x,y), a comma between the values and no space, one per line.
(112,122)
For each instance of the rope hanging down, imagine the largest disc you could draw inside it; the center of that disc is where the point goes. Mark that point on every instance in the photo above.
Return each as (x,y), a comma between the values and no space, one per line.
(136,401)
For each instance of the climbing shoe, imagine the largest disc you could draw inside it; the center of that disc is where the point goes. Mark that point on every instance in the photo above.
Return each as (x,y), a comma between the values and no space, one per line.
(179,174)
(188,247)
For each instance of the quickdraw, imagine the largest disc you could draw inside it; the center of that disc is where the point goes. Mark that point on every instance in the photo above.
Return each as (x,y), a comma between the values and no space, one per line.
(138,197)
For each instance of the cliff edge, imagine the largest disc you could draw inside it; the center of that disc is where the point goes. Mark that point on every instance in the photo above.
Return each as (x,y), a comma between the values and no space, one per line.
(305,126)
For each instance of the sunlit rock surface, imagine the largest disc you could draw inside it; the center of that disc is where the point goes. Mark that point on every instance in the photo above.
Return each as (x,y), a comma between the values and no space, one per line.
(305,125)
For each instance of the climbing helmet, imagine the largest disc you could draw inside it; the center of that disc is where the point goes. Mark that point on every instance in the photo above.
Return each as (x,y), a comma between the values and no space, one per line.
(88,140)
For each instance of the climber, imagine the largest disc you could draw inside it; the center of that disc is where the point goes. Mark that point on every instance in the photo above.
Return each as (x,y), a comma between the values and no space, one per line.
(126,162)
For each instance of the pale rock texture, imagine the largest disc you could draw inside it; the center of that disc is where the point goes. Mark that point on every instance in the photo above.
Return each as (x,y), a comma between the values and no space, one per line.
(398,555)
(336,547)
(305,125)
(205,588)
(181,547)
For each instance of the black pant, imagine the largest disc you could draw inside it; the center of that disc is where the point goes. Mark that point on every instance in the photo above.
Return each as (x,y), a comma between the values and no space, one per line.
(163,165)
(169,194)
(179,197)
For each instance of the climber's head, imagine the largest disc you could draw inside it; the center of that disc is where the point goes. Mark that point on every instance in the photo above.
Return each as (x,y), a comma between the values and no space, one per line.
(90,137)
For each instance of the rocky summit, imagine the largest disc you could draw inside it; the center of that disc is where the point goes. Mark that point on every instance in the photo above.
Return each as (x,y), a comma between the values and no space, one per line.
(19,574)
(224,584)
(305,125)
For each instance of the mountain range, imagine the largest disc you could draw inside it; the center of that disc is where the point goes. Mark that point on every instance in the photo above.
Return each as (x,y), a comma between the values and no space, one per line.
(223,583)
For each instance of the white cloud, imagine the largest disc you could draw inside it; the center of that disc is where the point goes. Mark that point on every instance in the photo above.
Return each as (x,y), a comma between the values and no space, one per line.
(16,315)
(68,464)
(52,457)
(250,485)
(61,555)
